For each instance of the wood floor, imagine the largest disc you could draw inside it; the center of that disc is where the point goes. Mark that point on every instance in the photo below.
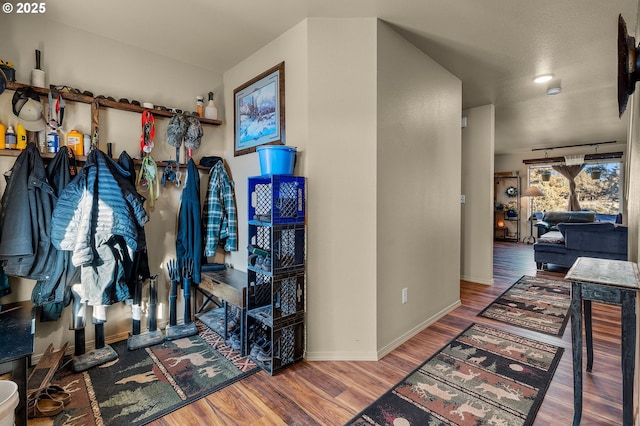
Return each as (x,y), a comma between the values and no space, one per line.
(331,393)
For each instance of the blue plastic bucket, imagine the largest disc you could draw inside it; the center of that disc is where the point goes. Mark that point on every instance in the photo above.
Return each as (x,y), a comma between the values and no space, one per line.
(276,159)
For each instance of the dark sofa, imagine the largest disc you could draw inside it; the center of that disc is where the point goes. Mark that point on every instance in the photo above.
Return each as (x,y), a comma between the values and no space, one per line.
(550,220)
(603,240)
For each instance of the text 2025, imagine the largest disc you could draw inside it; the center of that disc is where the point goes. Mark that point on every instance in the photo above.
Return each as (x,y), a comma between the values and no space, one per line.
(31,7)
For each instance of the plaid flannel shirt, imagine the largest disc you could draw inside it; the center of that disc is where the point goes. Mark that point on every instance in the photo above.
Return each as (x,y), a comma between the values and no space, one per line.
(220,214)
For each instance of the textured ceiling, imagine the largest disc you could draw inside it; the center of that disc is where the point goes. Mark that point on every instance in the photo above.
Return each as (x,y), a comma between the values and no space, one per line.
(494,46)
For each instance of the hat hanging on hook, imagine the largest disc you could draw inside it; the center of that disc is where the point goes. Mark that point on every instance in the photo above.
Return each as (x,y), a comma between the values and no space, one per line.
(193,135)
(176,130)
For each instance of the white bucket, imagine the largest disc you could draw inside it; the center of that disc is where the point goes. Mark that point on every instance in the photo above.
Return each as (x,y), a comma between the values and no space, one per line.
(8,402)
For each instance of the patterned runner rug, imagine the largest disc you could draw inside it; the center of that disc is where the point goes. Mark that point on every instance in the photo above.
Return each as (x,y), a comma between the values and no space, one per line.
(145,384)
(483,376)
(536,304)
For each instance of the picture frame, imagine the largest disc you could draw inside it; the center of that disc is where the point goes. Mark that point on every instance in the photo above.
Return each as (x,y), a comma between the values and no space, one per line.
(259,111)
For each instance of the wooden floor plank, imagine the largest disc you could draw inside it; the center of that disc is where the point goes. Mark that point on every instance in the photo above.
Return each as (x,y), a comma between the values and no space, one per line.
(332,392)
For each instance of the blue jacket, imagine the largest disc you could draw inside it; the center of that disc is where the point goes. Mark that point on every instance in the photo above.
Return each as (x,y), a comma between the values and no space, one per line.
(189,233)
(100,213)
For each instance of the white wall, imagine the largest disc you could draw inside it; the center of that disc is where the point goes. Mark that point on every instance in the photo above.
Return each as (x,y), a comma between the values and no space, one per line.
(103,66)
(478,140)
(290,47)
(418,189)
(335,102)
(342,189)
(330,117)
(336,153)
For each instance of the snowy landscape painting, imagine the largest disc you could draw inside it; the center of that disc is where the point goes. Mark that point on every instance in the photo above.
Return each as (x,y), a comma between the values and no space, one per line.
(259,115)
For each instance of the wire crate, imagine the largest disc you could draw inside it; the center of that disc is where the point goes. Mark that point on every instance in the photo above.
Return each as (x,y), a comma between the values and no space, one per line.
(281,248)
(273,298)
(277,199)
(258,290)
(284,343)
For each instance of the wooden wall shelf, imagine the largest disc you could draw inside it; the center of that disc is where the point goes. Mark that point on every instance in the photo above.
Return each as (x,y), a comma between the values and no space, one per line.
(100,102)
(106,103)
(83,158)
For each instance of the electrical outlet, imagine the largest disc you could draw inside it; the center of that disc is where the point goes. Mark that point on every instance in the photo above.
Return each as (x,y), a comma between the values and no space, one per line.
(404,295)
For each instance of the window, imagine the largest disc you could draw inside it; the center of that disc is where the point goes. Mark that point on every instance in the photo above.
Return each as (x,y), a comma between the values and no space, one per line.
(602,195)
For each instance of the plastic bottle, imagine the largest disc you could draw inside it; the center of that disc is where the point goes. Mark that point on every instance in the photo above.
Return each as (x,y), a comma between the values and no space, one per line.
(211,111)
(86,141)
(75,142)
(21,136)
(53,142)
(200,106)
(10,138)
(42,142)
(3,130)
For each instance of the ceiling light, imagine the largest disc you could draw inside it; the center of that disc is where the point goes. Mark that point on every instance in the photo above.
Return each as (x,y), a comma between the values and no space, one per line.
(553,91)
(543,78)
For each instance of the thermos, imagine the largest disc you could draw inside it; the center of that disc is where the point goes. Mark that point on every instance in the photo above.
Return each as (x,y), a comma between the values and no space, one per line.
(10,139)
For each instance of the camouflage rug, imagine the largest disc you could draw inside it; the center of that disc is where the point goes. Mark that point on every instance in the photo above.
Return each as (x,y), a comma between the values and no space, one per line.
(536,304)
(482,377)
(145,384)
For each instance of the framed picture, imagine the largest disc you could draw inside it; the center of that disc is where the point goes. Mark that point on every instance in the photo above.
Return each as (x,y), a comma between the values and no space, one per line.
(259,111)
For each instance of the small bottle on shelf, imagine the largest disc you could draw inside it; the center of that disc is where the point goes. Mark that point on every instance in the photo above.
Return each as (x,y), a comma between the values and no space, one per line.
(211,111)
(86,144)
(53,142)
(3,131)
(10,139)
(42,142)
(200,106)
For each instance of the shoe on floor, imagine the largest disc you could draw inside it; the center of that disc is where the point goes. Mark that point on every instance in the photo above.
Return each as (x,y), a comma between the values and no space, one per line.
(58,393)
(256,347)
(43,405)
(232,325)
(263,356)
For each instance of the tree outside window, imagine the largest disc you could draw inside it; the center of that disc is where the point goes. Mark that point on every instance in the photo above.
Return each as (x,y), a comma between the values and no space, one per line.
(601,195)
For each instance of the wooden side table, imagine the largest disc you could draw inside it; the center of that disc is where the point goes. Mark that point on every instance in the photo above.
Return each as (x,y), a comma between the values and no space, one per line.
(16,347)
(615,282)
(229,286)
